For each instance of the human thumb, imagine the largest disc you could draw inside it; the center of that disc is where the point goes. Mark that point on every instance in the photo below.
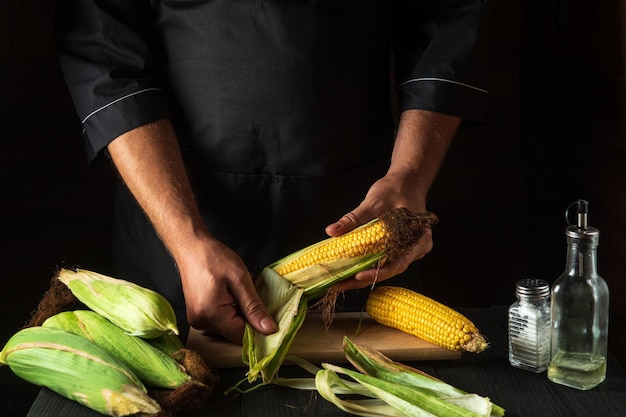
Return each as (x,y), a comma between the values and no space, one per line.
(257,315)
(348,222)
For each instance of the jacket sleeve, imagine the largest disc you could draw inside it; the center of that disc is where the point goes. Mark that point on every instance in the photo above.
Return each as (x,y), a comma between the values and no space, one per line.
(104,49)
(438,56)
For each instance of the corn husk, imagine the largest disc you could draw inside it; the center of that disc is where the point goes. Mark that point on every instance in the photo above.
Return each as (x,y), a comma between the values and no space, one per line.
(287,304)
(381,387)
(77,369)
(139,311)
(373,363)
(153,366)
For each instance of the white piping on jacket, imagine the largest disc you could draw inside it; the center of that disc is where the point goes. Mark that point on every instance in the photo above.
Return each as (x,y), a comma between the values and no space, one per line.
(443,80)
(120,99)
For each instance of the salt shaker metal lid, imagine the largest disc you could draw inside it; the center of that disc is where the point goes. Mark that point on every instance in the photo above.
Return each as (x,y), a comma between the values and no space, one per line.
(531,288)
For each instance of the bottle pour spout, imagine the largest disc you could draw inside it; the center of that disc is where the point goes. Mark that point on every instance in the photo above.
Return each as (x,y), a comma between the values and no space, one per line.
(581,214)
(582,209)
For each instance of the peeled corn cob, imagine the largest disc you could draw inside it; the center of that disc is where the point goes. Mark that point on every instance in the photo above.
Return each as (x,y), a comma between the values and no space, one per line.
(317,267)
(77,369)
(151,365)
(138,310)
(425,318)
(361,241)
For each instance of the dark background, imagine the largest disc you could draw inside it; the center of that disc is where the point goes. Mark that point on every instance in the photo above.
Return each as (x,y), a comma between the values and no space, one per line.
(555,132)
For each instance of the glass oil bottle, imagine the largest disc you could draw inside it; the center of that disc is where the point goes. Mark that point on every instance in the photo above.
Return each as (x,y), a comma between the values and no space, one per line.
(579,311)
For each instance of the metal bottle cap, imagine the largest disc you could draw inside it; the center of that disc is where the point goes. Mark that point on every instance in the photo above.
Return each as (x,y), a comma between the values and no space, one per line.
(577,233)
(580,230)
(532,288)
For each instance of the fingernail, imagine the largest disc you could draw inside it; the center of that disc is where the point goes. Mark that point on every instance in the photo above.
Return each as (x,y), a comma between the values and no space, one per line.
(336,225)
(267,324)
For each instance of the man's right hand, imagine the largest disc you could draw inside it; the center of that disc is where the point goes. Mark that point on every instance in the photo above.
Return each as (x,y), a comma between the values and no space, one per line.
(219,292)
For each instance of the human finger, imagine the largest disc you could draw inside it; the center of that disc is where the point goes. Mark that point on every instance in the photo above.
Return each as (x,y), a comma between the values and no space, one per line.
(227,322)
(347,222)
(253,310)
(388,270)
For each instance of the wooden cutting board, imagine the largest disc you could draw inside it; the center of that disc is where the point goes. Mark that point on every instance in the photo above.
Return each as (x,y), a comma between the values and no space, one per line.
(316,344)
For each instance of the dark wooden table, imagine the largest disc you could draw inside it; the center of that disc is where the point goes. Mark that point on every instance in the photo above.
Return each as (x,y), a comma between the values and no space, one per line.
(521,393)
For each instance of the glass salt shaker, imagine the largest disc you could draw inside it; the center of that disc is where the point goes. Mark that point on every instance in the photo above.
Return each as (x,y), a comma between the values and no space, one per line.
(529,326)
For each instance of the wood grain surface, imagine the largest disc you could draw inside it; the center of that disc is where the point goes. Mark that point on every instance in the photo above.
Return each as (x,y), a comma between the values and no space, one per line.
(317,344)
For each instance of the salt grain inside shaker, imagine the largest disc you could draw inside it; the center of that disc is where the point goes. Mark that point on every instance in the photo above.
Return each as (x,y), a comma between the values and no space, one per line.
(529,326)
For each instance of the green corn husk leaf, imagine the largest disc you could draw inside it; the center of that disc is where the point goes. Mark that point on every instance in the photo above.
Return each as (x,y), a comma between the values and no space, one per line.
(409,400)
(380,401)
(168,342)
(138,310)
(269,368)
(328,384)
(474,403)
(152,366)
(374,363)
(341,387)
(77,369)
(287,305)
(318,278)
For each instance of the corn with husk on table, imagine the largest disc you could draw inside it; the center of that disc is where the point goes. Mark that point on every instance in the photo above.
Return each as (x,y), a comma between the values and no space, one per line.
(119,356)
(287,286)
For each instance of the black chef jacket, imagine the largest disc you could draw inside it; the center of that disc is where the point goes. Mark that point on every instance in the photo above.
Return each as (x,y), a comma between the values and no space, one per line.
(282,107)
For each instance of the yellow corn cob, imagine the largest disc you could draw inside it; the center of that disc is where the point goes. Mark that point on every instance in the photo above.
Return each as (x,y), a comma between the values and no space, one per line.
(138,310)
(361,241)
(425,318)
(317,267)
(77,369)
(151,365)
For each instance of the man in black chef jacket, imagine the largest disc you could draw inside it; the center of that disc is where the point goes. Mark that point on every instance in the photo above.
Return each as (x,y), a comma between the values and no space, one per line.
(244,129)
